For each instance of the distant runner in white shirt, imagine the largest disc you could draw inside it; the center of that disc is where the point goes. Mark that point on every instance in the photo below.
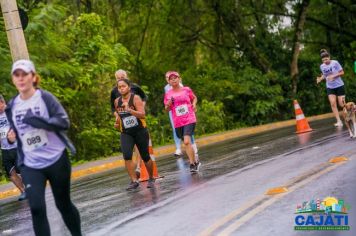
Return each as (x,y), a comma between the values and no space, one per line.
(331,72)
(9,152)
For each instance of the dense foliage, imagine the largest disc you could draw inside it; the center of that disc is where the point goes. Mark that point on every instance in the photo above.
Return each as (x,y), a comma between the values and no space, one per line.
(234,54)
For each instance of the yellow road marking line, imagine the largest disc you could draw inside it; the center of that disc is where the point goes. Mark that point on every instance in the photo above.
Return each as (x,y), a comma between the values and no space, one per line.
(201,141)
(338,159)
(75,175)
(230,216)
(277,190)
(270,200)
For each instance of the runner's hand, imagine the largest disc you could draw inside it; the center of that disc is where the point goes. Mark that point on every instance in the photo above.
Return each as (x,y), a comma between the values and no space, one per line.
(126,106)
(11,136)
(169,103)
(319,79)
(117,123)
(330,77)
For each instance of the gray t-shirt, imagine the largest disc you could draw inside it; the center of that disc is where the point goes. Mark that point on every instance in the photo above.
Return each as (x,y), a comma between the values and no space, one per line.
(4,128)
(41,148)
(333,68)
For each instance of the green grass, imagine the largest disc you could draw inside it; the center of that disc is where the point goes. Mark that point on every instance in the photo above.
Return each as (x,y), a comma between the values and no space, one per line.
(3,180)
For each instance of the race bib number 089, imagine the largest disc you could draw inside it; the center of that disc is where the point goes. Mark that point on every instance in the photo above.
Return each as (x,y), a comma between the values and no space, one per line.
(182,110)
(34,139)
(129,122)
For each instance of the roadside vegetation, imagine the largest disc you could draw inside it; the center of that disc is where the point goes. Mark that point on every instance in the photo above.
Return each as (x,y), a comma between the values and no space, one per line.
(245,60)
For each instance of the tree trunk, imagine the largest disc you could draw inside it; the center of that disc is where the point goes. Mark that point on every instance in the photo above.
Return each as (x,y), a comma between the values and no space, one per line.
(299,26)
(144,32)
(233,21)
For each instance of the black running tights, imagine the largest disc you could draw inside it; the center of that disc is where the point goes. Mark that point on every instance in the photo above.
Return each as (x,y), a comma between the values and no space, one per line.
(139,138)
(58,175)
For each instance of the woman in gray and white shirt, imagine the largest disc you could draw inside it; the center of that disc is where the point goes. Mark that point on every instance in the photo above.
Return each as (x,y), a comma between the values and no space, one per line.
(38,122)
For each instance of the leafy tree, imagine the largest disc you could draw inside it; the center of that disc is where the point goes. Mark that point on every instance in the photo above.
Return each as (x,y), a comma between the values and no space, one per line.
(237,56)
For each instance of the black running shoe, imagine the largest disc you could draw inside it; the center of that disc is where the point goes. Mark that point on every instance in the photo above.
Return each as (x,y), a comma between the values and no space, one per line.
(193,168)
(133,185)
(151,183)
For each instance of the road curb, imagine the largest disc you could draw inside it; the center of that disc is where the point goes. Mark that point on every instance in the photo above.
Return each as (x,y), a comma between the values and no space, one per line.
(79,172)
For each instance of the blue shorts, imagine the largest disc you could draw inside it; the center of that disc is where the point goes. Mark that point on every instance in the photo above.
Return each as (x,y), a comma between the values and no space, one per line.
(185,130)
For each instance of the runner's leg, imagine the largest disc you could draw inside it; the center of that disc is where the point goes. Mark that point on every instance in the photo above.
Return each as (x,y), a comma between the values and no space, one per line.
(9,162)
(189,149)
(59,178)
(177,140)
(195,148)
(341,100)
(127,145)
(17,180)
(138,162)
(35,182)
(141,141)
(332,100)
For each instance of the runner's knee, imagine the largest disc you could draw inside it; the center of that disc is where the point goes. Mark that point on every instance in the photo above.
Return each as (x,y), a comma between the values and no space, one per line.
(127,156)
(64,206)
(187,140)
(38,208)
(146,158)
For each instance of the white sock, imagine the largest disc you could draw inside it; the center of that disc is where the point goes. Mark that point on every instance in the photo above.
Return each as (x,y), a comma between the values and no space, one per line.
(195,148)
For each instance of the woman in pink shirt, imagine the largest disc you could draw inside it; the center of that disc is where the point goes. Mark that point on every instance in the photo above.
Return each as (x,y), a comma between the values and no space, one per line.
(182,102)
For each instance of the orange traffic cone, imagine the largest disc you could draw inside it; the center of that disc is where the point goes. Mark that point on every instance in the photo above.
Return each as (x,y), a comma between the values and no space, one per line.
(302,123)
(144,173)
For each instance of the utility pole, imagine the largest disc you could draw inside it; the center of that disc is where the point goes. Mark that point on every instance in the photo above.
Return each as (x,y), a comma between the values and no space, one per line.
(14,30)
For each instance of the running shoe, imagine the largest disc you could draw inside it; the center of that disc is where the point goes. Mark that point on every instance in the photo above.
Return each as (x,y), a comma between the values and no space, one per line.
(197,165)
(193,168)
(22,196)
(133,185)
(178,153)
(151,183)
(338,124)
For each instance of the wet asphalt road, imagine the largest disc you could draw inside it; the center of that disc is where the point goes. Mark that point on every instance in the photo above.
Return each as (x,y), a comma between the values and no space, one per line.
(232,174)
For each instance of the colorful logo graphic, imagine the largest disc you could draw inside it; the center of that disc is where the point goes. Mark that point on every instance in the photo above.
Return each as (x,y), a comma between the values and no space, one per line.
(328,214)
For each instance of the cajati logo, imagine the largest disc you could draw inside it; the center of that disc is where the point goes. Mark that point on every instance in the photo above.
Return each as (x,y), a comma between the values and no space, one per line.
(328,214)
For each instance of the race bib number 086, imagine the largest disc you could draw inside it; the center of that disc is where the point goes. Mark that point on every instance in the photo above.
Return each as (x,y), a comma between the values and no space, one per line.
(182,110)
(34,139)
(130,121)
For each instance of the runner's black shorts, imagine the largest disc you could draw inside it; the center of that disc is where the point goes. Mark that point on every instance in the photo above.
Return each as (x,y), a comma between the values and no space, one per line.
(339,91)
(140,138)
(9,159)
(185,130)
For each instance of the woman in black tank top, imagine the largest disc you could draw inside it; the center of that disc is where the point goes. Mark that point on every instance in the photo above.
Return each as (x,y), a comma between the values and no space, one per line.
(132,125)
(129,122)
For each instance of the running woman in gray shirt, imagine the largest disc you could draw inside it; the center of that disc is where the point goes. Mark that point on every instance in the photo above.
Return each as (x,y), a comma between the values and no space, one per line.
(38,122)
(331,72)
